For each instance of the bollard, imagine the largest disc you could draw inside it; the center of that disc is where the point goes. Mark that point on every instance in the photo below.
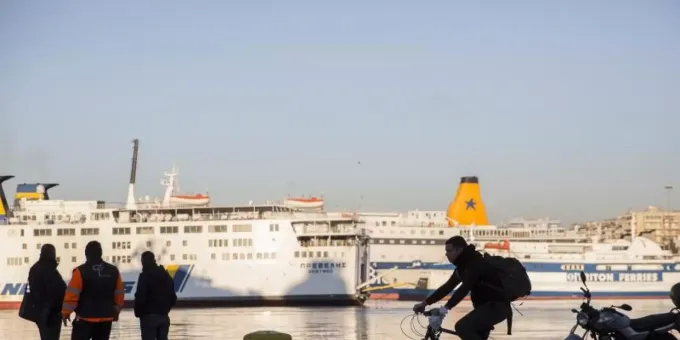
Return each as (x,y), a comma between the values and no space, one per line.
(267,335)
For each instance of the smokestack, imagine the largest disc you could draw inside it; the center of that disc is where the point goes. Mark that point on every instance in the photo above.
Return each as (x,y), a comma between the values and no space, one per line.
(131,203)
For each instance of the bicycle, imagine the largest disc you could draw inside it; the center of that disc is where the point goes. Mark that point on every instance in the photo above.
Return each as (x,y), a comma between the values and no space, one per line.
(431,333)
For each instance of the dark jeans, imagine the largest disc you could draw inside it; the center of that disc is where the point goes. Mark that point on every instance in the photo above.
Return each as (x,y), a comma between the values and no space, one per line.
(477,324)
(50,330)
(83,330)
(154,326)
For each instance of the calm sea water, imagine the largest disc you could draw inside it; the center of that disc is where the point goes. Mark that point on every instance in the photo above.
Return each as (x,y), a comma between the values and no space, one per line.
(376,320)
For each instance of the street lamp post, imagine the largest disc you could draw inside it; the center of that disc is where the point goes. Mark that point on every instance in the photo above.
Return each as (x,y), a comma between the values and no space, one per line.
(667,215)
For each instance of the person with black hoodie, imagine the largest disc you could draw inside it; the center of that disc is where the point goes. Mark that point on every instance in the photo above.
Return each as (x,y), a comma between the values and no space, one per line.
(154,298)
(46,292)
(479,279)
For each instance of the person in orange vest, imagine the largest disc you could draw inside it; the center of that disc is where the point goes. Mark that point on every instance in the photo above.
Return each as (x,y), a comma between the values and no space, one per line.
(95,293)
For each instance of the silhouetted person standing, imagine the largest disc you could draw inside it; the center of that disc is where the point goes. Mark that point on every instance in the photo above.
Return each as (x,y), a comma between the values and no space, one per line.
(46,290)
(154,298)
(95,294)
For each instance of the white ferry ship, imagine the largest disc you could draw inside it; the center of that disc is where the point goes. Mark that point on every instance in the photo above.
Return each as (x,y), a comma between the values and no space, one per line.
(217,256)
(408,262)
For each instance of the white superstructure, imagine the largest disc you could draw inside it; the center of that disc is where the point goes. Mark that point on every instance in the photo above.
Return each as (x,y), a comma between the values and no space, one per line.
(235,255)
(408,262)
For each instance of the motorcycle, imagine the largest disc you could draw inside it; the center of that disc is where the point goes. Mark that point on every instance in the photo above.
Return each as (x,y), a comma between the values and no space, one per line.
(608,323)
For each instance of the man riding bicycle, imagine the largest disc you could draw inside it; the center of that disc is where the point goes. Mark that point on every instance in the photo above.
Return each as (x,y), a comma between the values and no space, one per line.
(479,279)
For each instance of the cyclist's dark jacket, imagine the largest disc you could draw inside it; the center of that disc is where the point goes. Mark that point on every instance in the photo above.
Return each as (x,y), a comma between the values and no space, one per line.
(476,274)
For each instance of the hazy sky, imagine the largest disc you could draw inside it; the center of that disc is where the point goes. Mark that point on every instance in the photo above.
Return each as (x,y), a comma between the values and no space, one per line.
(566,109)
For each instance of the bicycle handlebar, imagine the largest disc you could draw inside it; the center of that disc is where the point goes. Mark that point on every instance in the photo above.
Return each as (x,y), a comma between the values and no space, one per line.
(432,312)
(435,312)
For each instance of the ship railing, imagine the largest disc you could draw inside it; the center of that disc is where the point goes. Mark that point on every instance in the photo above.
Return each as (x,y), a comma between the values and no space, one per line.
(324,242)
(320,230)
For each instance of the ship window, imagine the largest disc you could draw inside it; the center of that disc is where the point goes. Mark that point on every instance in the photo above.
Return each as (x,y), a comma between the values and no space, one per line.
(89,231)
(318,254)
(73,259)
(414,241)
(273,256)
(121,245)
(217,228)
(66,245)
(25,259)
(73,245)
(148,244)
(297,254)
(210,243)
(172,257)
(259,256)
(304,254)
(193,229)
(22,232)
(168,243)
(325,254)
(37,246)
(185,243)
(212,256)
(242,228)
(23,246)
(66,232)
(145,230)
(225,256)
(14,261)
(266,256)
(42,232)
(234,256)
(169,230)
(184,256)
(250,256)
(121,231)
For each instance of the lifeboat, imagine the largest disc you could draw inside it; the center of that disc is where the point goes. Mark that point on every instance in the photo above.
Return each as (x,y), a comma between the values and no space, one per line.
(304,202)
(190,200)
(505,245)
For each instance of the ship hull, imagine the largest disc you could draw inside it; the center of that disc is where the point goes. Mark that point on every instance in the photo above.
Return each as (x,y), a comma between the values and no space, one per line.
(262,264)
(550,280)
(255,301)
(422,294)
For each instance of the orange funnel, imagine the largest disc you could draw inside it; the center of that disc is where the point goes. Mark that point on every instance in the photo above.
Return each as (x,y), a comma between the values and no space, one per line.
(467,207)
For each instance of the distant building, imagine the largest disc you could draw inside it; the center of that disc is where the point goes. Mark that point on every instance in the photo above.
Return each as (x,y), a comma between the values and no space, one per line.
(658,225)
(538,223)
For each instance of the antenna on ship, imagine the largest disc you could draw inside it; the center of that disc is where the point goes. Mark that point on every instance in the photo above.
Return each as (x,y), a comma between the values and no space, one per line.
(170,184)
(131,204)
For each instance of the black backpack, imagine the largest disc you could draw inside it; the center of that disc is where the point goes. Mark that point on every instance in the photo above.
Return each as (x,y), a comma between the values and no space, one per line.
(513,275)
(514,279)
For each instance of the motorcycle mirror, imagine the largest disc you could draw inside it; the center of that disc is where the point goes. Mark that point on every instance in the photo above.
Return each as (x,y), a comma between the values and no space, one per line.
(583,277)
(574,310)
(626,307)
